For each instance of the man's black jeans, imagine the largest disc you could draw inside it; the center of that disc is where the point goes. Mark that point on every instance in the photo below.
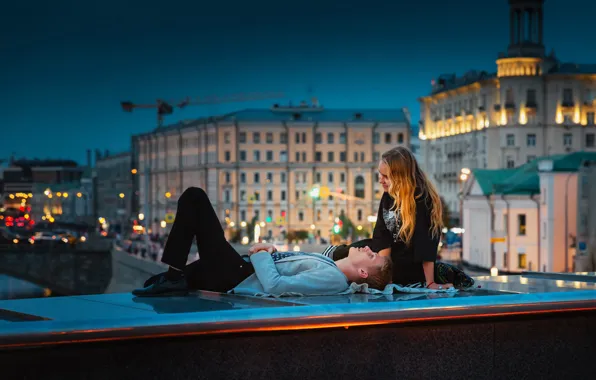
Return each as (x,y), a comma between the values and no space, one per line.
(219,268)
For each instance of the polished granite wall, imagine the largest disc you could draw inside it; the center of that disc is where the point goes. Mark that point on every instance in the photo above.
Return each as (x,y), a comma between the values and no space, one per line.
(536,347)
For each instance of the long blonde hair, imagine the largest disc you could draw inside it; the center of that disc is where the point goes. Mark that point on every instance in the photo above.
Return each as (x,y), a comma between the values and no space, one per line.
(406,176)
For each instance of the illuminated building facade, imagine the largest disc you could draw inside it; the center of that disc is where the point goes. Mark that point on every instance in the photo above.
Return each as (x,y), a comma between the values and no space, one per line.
(264,164)
(534,105)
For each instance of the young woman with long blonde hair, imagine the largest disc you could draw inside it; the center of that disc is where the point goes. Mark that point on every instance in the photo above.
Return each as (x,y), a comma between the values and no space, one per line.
(409,221)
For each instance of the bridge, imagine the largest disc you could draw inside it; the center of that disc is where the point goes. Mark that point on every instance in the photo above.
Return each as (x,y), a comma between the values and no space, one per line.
(537,325)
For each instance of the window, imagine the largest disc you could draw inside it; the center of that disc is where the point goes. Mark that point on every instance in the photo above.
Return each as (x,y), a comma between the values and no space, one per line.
(342,138)
(304,137)
(269,155)
(330,138)
(297,195)
(283,138)
(256,155)
(359,187)
(256,211)
(257,178)
(355,156)
(359,215)
(269,177)
(242,155)
(227,176)
(330,156)
(589,140)
(342,156)
(227,137)
(531,139)
(297,138)
(297,156)
(400,138)
(387,138)
(256,137)
(318,215)
(269,137)
(243,215)
(283,156)
(330,177)
(590,118)
(318,138)
(509,96)
(227,196)
(510,139)
(283,195)
(376,138)
(521,224)
(257,197)
(282,177)
(567,96)
(342,177)
(243,177)
(361,156)
(521,260)
(376,156)
(303,156)
(228,156)
(269,195)
(318,177)
(510,162)
(242,196)
(567,139)
(505,263)
(318,156)
(530,97)
(242,137)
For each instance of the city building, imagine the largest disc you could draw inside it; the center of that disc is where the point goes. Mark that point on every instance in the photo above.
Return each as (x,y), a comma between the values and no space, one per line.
(290,167)
(534,105)
(114,188)
(528,218)
(586,218)
(47,190)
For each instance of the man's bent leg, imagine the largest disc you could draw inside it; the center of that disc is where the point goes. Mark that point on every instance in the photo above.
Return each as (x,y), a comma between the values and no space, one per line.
(195,217)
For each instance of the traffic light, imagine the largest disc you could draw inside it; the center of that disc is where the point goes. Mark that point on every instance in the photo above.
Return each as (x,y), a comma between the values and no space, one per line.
(336,228)
(268,219)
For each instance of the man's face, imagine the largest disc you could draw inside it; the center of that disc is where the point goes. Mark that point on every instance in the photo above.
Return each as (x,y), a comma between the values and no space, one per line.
(365,260)
(384,175)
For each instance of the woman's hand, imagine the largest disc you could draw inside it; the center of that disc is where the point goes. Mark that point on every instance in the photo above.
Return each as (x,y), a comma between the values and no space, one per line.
(262,247)
(435,286)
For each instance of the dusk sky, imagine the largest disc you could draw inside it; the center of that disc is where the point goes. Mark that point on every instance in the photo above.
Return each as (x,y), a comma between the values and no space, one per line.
(65,65)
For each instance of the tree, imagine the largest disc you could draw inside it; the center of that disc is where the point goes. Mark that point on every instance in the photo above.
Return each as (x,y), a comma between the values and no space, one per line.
(446,214)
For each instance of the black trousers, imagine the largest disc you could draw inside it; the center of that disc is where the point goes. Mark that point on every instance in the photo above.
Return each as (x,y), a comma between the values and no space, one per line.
(219,268)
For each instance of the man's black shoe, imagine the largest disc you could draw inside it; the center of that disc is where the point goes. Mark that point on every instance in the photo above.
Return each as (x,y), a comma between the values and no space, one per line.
(163,288)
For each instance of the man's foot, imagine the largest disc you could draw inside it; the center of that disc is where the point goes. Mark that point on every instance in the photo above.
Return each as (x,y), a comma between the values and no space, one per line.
(164,287)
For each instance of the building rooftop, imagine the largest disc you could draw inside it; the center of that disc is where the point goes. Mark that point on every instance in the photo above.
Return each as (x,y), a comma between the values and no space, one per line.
(524,180)
(279,113)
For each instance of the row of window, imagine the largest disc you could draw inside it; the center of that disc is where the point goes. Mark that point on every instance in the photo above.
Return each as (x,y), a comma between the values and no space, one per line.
(567,139)
(453,109)
(300,177)
(300,156)
(300,214)
(301,138)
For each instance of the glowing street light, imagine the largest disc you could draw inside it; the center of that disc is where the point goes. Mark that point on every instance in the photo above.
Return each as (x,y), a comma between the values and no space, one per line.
(168,194)
(121,195)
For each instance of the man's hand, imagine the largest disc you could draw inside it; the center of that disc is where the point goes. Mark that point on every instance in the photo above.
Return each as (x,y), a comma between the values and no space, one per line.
(440,286)
(262,247)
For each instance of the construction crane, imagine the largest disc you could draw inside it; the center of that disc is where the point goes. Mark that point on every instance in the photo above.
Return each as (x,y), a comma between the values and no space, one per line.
(164,107)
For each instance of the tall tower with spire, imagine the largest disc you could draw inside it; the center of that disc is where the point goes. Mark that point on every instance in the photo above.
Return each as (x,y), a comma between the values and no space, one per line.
(526,29)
